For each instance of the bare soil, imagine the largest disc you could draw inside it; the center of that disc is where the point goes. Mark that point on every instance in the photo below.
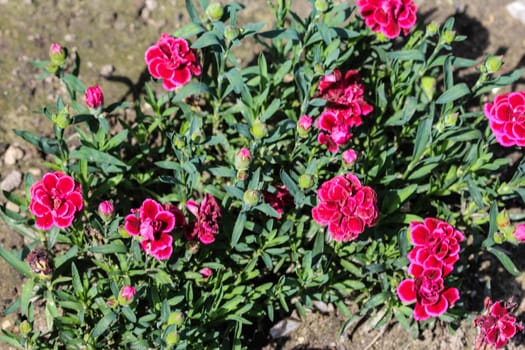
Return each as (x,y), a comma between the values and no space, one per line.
(111,37)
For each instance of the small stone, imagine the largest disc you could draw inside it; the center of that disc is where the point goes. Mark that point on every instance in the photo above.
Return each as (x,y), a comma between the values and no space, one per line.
(12,206)
(12,154)
(284,328)
(517,10)
(11,181)
(35,172)
(323,307)
(107,70)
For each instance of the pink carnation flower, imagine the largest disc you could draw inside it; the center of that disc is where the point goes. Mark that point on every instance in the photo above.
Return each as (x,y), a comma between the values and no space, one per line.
(497,325)
(346,207)
(127,293)
(154,224)
(436,242)
(344,108)
(427,289)
(519,232)
(208,214)
(172,60)
(55,200)
(507,118)
(349,156)
(94,97)
(388,16)
(305,122)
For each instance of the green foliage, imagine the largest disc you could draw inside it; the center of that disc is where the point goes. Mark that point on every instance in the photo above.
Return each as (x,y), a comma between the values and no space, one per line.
(426,149)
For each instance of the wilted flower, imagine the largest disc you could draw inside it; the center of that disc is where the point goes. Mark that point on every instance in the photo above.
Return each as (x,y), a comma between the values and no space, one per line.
(497,325)
(279,200)
(154,224)
(94,97)
(55,200)
(38,261)
(208,214)
(427,289)
(507,118)
(172,60)
(388,16)
(346,207)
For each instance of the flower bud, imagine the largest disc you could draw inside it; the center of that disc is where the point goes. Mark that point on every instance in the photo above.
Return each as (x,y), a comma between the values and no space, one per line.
(349,157)
(432,28)
(502,219)
(241,175)
(451,119)
(57,55)
(258,129)
(175,318)
(94,97)
(112,302)
(321,5)
(428,85)
(449,36)
(192,247)
(251,197)
(231,33)
(242,159)
(206,273)
(305,181)
(106,210)
(493,64)
(172,337)
(303,125)
(61,119)
(126,295)
(214,11)
(25,327)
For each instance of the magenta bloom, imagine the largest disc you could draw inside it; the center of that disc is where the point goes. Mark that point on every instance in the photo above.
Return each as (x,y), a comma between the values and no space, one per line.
(388,16)
(172,60)
(55,200)
(55,49)
(349,156)
(519,232)
(154,224)
(208,214)
(344,108)
(497,324)
(346,207)
(279,200)
(507,118)
(106,209)
(206,272)
(305,122)
(427,289)
(435,242)
(94,97)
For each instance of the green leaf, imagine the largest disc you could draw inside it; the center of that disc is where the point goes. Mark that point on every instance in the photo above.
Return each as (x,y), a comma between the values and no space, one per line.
(190,89)
(205,40)
(493,225)
(188,30)
(103,325)
(454,93)
(192,12)
(395,198)
(13,260)
(114,247)
(238,228)
(25,296)
(61,259)
(424,130)
(47,145)
(504,260)
(77,283)
(96,156)
(74,83)
(406,55)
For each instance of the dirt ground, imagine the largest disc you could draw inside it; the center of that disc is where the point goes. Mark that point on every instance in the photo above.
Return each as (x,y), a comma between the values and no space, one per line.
(111,37)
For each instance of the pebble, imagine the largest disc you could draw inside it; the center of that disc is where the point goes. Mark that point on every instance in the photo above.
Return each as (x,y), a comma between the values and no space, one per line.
(12,154)
(12,206)
(11,181)
(517,10)
(284,328)
(107,70)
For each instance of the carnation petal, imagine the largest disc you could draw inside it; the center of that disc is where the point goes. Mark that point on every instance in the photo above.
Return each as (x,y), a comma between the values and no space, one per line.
(438,308)
(65,184)
(452,295)
(420,314)
(44,222)
(406,291)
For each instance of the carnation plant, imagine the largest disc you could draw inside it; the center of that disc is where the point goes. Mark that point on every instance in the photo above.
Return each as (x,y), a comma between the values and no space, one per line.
(346,164)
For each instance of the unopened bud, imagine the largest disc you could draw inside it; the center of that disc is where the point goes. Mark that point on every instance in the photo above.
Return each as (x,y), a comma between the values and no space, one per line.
(321,5)
(493,64)
(428,85)
(449,36)
(25,327)
(94,98)
(251,198)
(306,181)
(172,337)
(57,54)
(242,159)
(231,33)
(214,11)
(349,157)
(61,119)
(451,119)
(106,210)
(175,318)
(432,28)
(258,129)
(502,219)
(126,295)
(303,125)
